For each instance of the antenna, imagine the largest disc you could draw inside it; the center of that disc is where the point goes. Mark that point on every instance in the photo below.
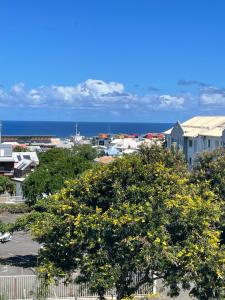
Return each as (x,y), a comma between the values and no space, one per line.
(77,132)
(76,128)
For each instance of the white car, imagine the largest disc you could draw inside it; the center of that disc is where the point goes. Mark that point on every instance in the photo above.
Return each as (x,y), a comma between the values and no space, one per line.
(5,237)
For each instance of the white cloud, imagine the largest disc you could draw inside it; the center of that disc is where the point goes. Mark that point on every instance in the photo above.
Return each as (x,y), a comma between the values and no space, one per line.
(171,101)
(91,93)
(212,97)
(98,94)
(18,88)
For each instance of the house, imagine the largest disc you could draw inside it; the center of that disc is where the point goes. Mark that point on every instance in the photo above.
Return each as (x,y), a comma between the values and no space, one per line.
(126,143)
(200,133)
(16,165)
(24,163)
(112,151)
(6,160)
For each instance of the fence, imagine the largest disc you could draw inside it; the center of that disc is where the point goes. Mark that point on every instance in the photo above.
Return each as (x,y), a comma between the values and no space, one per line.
(11,199)
(30,287)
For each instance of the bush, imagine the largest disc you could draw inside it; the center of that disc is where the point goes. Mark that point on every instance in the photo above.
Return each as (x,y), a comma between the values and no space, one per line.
(14,208)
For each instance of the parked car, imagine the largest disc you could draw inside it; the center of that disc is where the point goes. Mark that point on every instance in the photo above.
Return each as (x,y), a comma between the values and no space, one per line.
(5,237)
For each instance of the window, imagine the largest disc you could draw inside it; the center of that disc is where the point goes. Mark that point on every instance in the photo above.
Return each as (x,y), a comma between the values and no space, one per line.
(19,157)
(190,143)
(190,161)
(209,143)
(26,157)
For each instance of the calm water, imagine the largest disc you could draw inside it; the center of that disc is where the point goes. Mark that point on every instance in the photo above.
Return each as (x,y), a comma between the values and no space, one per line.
(66,129)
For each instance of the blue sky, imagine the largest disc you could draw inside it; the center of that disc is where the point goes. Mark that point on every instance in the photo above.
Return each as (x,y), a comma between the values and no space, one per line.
(111,60)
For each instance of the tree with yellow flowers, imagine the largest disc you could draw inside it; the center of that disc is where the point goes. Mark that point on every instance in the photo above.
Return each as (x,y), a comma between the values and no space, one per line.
(138,215)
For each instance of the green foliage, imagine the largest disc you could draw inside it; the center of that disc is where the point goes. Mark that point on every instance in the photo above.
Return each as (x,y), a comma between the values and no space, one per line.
(56,166)
(138,215)
(7,185)
(85,151)
(14,208)
(2,226)
(210,166)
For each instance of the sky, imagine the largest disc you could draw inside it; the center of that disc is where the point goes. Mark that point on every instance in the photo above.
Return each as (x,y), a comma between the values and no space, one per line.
(111,60)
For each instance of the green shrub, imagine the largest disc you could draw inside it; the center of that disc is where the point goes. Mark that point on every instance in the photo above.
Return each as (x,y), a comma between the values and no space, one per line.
(14,208)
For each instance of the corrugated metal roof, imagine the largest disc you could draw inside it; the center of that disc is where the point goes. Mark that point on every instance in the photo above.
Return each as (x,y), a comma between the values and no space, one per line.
(191,132)
(217,132)
(168,131)
(25,155)
(205,121)
(23,164)
(202,125)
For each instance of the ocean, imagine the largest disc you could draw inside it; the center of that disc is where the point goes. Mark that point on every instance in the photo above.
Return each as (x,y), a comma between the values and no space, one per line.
(66,129)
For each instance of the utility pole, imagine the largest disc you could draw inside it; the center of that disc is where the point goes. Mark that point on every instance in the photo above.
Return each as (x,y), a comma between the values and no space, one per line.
(0,132)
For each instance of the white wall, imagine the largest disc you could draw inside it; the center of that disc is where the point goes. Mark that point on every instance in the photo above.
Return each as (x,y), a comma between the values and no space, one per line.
(200,144)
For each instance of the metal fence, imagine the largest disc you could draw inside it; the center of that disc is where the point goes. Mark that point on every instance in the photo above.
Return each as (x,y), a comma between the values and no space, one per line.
(30,287)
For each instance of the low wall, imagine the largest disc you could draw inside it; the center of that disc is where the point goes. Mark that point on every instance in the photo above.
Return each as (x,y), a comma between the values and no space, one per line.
(11,199)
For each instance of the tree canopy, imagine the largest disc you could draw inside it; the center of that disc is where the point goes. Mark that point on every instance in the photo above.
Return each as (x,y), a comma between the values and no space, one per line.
(211,166)
(7,185)
(138,215)
(57,165)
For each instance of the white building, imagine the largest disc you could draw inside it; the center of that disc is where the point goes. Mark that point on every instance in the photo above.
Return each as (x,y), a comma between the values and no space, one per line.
(201,133)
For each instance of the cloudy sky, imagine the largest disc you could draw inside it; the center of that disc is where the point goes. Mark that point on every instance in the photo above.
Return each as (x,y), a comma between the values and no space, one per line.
(114,60)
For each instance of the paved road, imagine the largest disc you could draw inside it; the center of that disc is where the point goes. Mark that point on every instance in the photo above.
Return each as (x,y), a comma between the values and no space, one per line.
(17,256)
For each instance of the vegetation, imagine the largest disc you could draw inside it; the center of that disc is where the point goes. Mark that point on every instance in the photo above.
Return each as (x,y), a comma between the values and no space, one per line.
(139,215)
(7,185)
(210,166)
(2,227)
(14,208)
(56,166)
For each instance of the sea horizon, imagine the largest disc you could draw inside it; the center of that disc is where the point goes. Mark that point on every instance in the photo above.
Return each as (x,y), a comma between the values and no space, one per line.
(55,128)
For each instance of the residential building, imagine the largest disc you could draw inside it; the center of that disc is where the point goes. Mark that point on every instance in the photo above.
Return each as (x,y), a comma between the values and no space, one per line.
(25,162)
(16,165)
(200,133)
(6,161)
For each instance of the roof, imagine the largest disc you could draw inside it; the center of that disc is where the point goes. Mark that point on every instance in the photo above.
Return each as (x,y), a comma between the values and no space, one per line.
(6,159)
(217,132)
(22,165)
(129,151)
(205,121)
(11,143)
(105,159)
(202,125)
(116,141)
(18,156)
(112,151)
(127,143)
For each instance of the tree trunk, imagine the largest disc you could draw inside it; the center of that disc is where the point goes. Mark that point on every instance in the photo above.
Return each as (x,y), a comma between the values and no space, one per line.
(101,295)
